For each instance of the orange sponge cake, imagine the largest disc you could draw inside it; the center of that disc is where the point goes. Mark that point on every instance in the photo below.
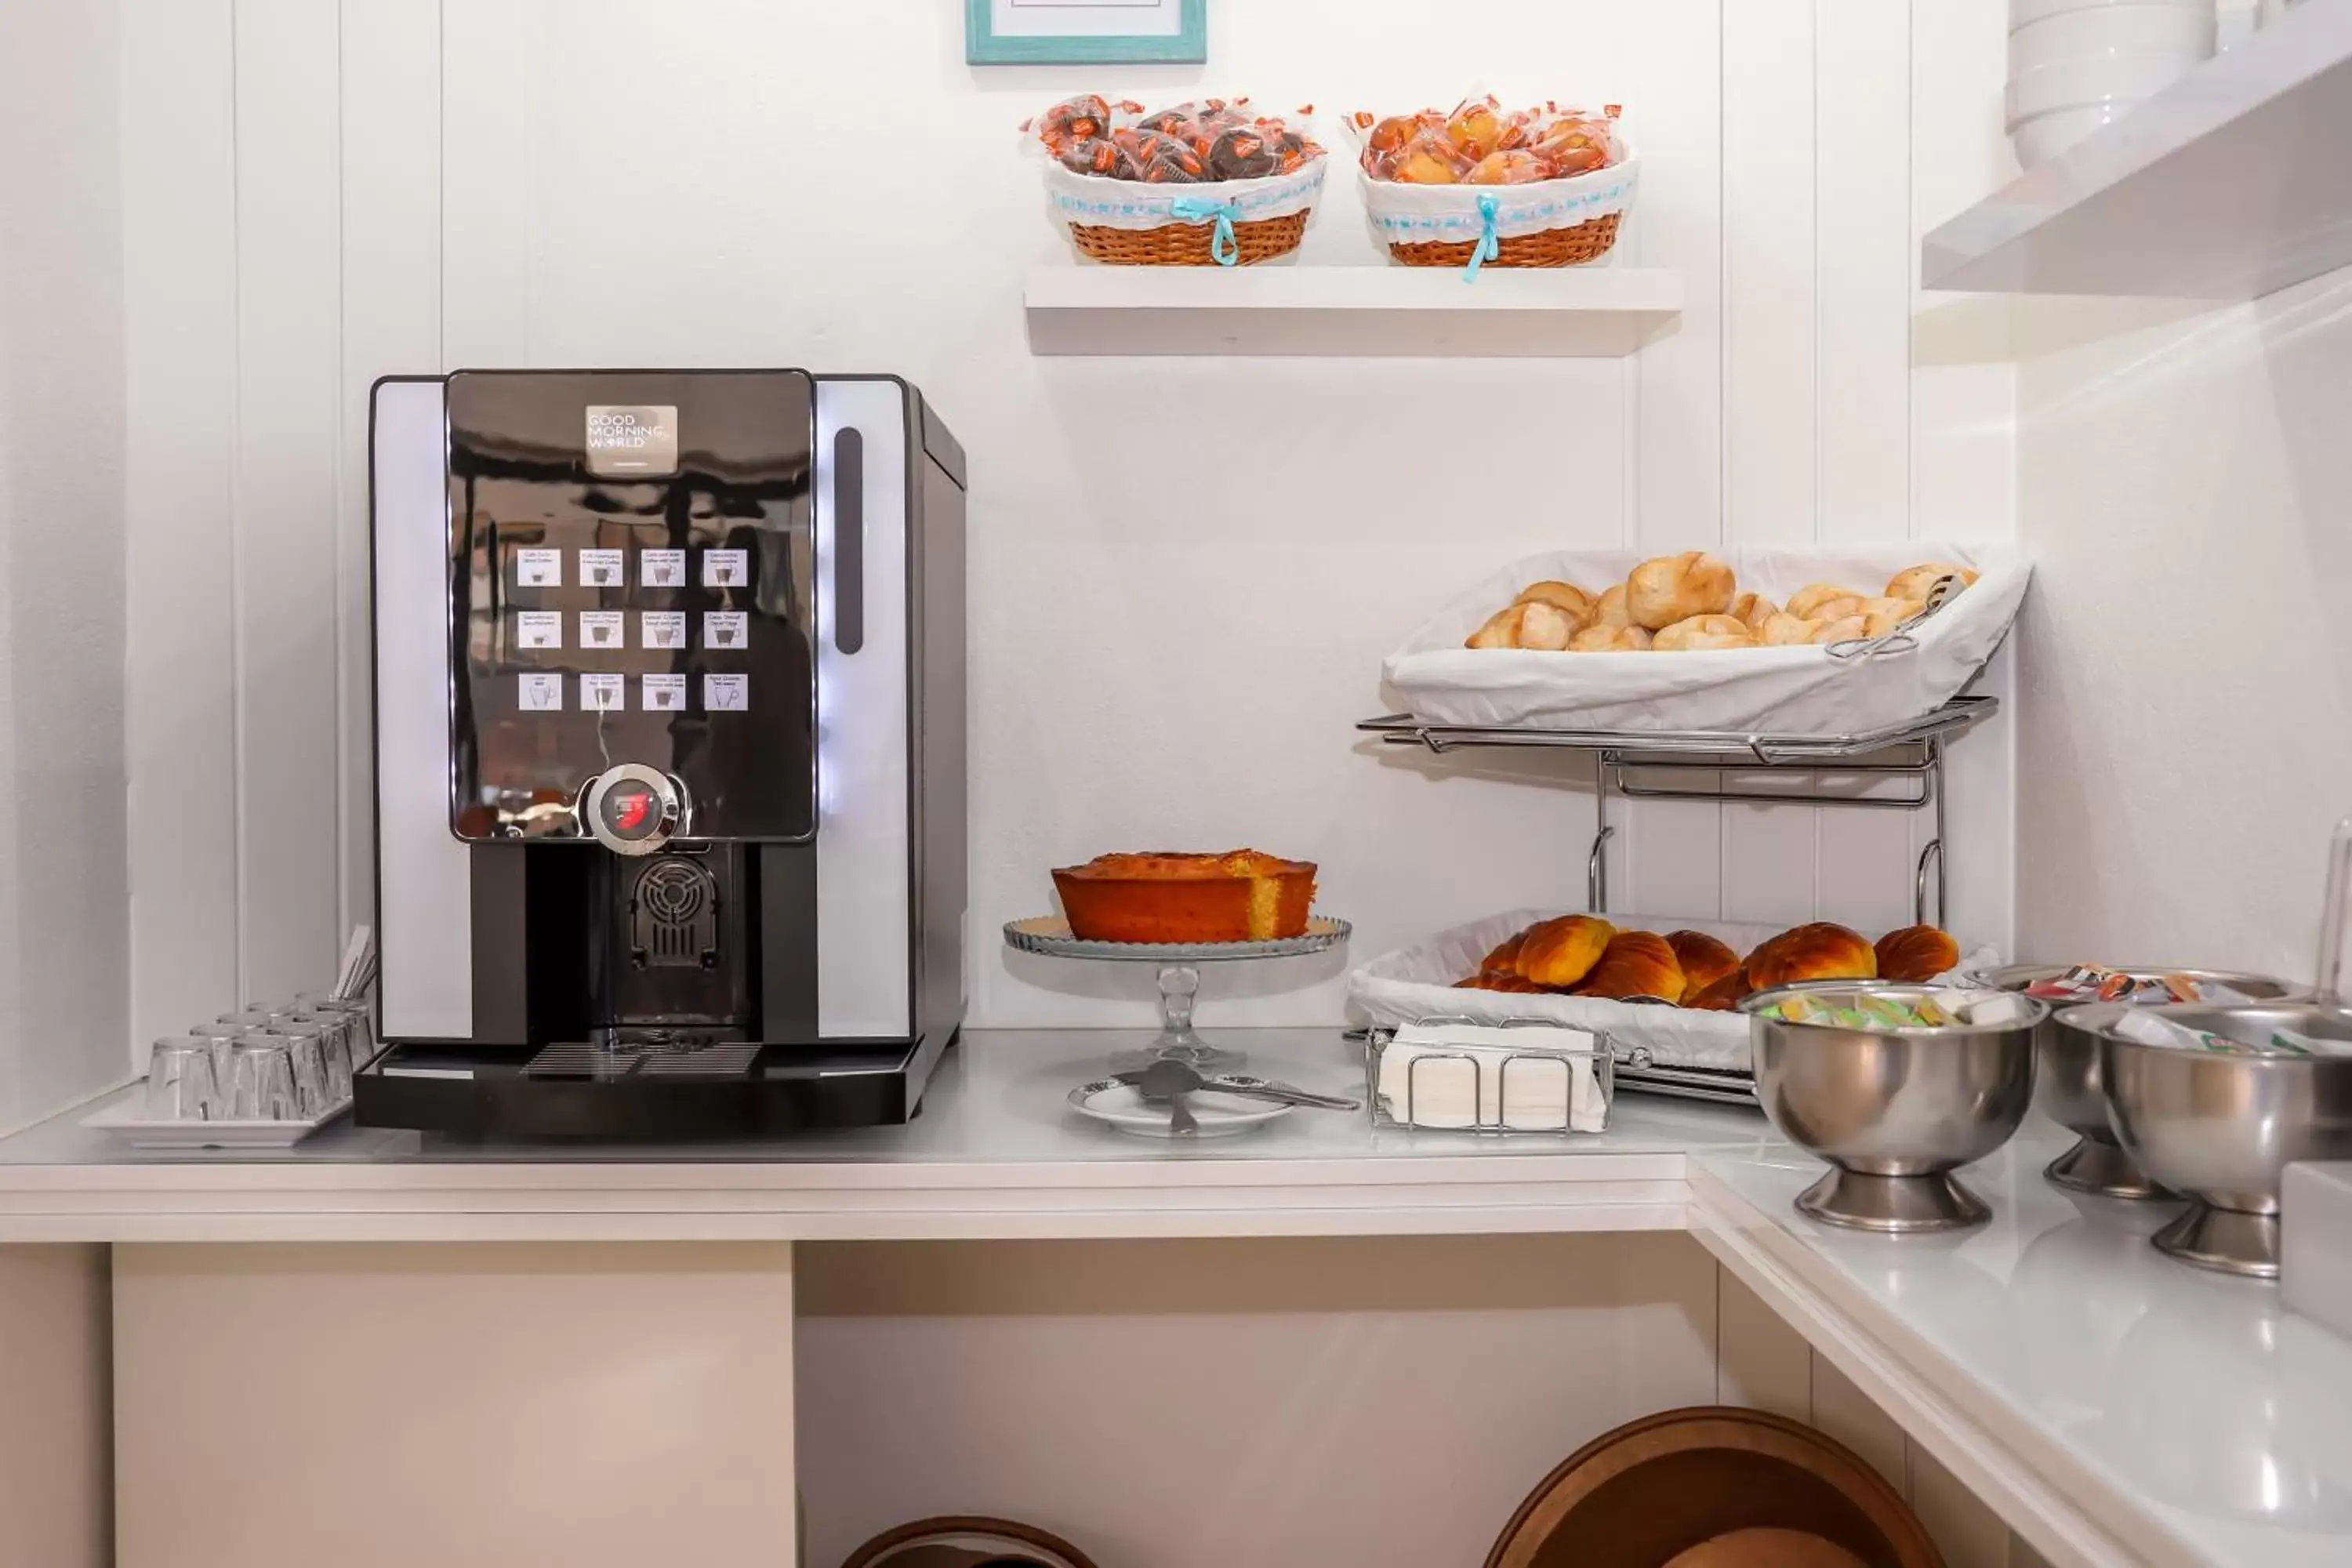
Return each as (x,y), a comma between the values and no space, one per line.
(1241,896)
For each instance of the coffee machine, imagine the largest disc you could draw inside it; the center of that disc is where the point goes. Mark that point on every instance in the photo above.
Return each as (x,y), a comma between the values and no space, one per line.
(669,751)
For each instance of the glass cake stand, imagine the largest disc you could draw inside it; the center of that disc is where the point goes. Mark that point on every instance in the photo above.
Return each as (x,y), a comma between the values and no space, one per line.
(1180,977)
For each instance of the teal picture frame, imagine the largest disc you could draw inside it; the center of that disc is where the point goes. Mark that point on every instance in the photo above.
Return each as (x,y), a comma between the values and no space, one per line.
(1188,45)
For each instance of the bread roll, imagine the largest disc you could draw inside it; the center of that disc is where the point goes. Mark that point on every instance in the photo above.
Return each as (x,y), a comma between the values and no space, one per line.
(1806,602)
(1610,610)
(1545,627)
(1635,963)
(1819,952)
(1704,959)
(1503,959)
(1912,581)
(1752,610)
(1844,629)
(1703,632)
(1562,952)
(1501,630)
(1785,630)
(1566,596)
(1916,953)
(1677,588)
(1885,616)
(1723,995)
(1599,638)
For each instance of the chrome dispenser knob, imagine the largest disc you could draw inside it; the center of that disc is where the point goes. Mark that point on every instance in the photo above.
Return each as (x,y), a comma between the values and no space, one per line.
(632,809)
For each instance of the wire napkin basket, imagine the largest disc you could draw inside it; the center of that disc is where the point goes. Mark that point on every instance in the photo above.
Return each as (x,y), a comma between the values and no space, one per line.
(1562,1084)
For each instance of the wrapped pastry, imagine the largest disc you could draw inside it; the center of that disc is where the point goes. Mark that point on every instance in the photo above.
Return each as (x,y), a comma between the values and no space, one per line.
(1071,120)
(1164,159)
(1752,610)
(1916,953)
(1703,632)
(1514,167)
(1562,952)
(1704,959)
(1806,603)
(1572,146)
(1475,128)
(1102,157)
(1430,158)
(1600,637)
(1242,154)
(1544,626)
(1823,950)
(1635,963)
(1676,588)
(1913,581)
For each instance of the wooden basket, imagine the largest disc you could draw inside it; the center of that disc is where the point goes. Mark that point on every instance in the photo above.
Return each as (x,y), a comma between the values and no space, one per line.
(1188,243)
(1550,247)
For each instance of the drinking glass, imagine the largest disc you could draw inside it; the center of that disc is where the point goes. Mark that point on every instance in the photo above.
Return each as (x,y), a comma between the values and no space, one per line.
(261,1077)
(362,1037)
(221,1038)
(180,1083)
(335,1036)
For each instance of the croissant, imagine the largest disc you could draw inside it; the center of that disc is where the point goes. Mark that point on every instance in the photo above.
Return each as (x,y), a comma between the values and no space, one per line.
(1723,995)
(1504,959)
(1610,610)
(1752,610)
(1819,952)
(1703,958)
(1677,588)
(1916,953)
(1599,637)
(1913,581)
(1785,630)
(1562,952)
(1564,596)
(1806,603)
(1545,627)
(1501,630)
(1635,963)
(1703,632)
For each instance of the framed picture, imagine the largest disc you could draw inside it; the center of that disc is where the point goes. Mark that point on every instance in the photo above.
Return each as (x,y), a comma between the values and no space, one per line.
(1084,31)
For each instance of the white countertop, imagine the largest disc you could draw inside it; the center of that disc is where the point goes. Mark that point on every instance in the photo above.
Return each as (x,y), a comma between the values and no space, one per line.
(2113,1405)
(995,1152)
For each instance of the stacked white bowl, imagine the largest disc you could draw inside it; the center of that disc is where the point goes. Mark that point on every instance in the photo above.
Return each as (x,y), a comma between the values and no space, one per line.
(2075,65)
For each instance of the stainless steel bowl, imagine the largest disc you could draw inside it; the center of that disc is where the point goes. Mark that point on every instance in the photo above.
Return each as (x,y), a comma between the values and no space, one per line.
(2221,1129)
(1895,1111)
(2067,1086)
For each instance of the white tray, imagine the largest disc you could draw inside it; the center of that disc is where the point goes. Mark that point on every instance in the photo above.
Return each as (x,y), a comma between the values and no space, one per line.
(1417,981)
(124,1123)
(1792,690)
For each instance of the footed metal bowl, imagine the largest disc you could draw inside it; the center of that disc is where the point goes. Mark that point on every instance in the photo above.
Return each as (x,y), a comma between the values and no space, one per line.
(2067,1086)
(1894,1112)
(2220,1129)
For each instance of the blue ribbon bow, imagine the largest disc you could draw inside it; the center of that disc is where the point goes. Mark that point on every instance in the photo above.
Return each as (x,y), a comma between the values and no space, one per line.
(1488,247)
(1224,248)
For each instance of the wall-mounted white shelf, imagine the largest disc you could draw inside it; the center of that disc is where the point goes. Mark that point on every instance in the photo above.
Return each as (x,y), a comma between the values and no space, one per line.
(1341,311)
(2228,185)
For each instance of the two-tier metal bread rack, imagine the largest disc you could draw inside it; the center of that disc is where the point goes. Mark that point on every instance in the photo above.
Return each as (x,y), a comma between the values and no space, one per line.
(1668,764)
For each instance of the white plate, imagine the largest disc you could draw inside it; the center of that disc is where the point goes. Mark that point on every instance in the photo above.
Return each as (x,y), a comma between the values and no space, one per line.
(126,1123)
(1219,1115)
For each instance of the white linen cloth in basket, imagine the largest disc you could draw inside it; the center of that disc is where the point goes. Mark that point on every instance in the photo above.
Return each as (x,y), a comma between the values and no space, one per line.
(1417,981)
(1449,1092)
(1788,691)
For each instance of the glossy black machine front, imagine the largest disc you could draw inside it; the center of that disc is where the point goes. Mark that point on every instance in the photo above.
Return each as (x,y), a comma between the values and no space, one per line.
(669,751)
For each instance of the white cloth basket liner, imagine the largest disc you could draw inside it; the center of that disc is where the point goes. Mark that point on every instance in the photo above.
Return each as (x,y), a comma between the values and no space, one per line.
(1417,981)
(1785,690)
(1418,214)
(1101,202)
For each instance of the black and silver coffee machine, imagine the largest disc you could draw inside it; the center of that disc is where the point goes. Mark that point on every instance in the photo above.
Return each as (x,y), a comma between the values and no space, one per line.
(669,751)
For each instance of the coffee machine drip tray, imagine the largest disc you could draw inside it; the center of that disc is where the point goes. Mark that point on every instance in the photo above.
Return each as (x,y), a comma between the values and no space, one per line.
(720,1090)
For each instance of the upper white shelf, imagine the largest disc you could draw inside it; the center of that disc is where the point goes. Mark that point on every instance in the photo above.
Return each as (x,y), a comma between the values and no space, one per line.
(1371,309)
(2232,182)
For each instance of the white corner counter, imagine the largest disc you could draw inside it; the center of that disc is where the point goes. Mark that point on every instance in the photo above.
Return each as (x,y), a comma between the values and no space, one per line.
(2114,1407)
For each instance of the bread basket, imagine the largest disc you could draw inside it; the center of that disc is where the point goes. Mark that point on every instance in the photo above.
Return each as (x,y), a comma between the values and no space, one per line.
(1544,222)
(1217,223)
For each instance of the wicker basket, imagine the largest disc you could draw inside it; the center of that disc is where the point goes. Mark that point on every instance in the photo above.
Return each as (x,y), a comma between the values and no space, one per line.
(1552,248)
(1127,224)
(1189,244)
